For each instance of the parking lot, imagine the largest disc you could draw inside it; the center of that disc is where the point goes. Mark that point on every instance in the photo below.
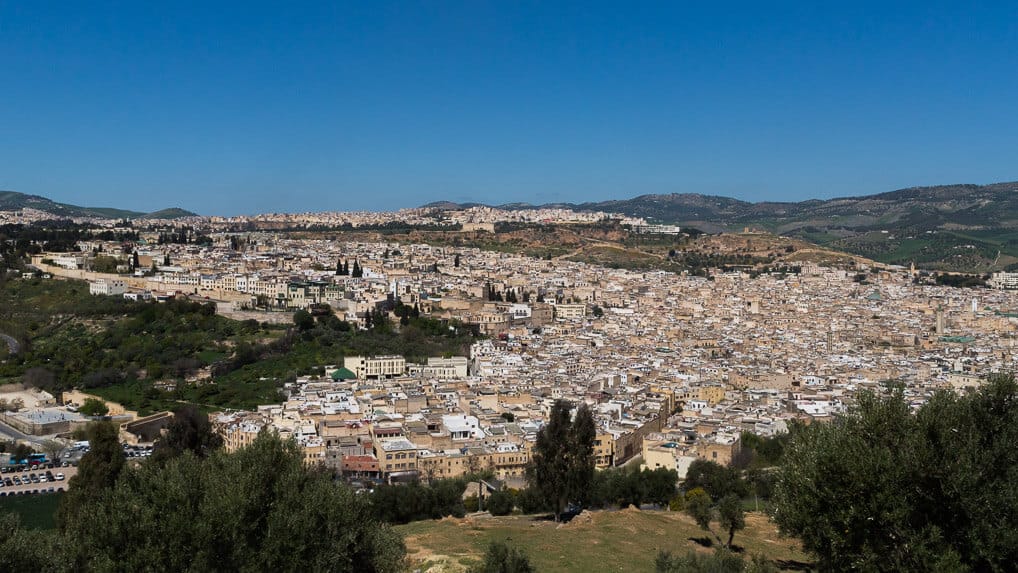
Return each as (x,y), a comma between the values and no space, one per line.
(53,477)
(36,481)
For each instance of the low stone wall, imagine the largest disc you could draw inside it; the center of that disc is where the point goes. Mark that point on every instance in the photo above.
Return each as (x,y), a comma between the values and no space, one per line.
(145,429)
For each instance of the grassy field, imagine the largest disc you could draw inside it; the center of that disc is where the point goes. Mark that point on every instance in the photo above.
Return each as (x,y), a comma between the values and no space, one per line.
(35,511)
(627,540)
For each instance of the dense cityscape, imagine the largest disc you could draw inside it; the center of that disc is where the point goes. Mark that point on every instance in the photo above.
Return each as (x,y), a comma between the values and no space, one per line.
(674,367)
(504,287)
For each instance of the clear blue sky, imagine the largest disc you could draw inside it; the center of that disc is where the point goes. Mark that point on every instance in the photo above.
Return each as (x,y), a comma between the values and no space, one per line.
(243,107)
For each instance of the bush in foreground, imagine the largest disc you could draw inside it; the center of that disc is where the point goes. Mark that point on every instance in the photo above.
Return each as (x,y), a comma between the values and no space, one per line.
(501,557)
(886,489)
(258,509)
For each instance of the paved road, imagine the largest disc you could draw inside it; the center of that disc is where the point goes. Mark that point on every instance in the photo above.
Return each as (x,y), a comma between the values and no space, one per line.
(12,344)
(12,433)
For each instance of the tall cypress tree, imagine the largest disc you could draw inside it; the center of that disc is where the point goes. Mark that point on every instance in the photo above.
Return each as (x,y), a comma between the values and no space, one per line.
(582,434)
(563,461)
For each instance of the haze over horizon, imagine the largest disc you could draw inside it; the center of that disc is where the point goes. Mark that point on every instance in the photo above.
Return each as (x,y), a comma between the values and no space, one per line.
(242,107)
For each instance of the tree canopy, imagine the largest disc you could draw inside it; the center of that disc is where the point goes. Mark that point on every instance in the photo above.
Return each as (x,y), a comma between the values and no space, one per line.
(886,489)
(93,407)
(258,509)
(190,431)
(563,462)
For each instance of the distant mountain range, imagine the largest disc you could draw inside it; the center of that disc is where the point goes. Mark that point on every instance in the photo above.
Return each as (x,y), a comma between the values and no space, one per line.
(13,201)
(950,227)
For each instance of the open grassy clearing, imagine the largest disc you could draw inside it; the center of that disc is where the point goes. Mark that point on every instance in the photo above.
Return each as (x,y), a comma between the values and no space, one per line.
(626,540)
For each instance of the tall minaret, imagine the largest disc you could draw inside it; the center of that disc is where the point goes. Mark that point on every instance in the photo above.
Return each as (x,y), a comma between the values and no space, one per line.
(940,321)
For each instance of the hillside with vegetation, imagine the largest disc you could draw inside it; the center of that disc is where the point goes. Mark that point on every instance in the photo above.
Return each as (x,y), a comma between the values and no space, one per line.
(14,201)
(153,356)
(971,228)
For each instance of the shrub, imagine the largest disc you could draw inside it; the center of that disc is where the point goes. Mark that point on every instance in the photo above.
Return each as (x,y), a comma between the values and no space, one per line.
(501,503)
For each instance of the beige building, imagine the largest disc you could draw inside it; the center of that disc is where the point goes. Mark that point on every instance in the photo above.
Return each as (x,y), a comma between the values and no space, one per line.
(375,367)
(604,450)
(238,430)
(667,454)
(397,458)
(570,311)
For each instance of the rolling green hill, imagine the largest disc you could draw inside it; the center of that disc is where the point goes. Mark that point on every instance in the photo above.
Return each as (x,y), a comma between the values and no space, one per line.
(13,201)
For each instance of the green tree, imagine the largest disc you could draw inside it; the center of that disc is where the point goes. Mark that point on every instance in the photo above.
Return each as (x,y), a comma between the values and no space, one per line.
(97,473)
(500,502)
(93,407)
(716,479)
(501,557)
(27,550)
(582,434)
(727,512)
(885,489)
(190,431)
(731,517)
(21,451)
(258,509)
(52,448)
(563,462)
(303,320)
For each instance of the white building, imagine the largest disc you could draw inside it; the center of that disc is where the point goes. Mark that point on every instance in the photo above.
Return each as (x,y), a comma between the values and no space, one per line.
(1004,281)
(107,287)
(463,427)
